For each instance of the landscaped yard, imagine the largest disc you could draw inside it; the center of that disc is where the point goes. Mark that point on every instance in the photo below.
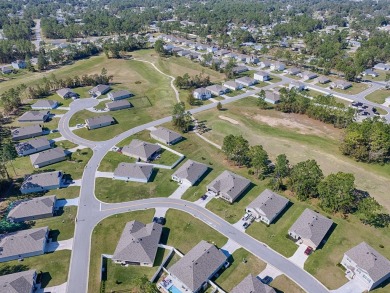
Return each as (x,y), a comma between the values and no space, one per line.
(54,266)
(355,89)
(112,159)
(378,96)
(284,284)
(275,78)
(166,158)
(235,93)
(244,263)
(65,193)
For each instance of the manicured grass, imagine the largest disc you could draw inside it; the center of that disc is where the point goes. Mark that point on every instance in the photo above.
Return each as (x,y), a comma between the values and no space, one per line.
(378,96)
(239,270)
(185,231)
(293,77)
(105,237)
(275,78)
(167,158)
(261,84)
(235,93)
(284,284)
(62,226)
(381,111)
(355,89)
(112,159)
(54,266)
(313,93)
(109,190)
(65,144)
(66,193)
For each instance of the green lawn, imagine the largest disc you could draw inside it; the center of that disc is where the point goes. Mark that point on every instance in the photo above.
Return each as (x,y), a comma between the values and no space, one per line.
(54,266)
(378,96)
(235,93)
(296,77)
(167,158)
(261,84)
(381,111)
(284,284)
(275,78)
(112,159)
(244,263)
(65,144)
(66,193)
(355,89)
(109,190)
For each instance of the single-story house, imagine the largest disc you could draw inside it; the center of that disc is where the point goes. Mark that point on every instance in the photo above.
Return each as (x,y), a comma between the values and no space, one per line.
(6,69)
(323,79)
(32,209)
(168,47)
(267,206)
(99,90)
(118,105)
(67,93)
(193,55)
(341,84)
(166,135)
(23,244)
(35,116)
(265,64)
(365,264)
(292,71)
(176,50)
(41,182)
(26,132)
(252,284)
(261,76)
(183,53)
(212,49)
(48,157)
(222,52)
(297,85)
(44,104)
(138,244)
(370,72)
(278,66)
(228,186)
(119,95)
(190,172)
(133,172)
(141,150)
(382,66)
(307,75)
(252,59)
(232,85)
(198,266)
(100,121)
(310,228)
(239,69)
(19,64)
(201,94)
(14,283)
(272,97)
(217,89)
(246,81)
(32,146)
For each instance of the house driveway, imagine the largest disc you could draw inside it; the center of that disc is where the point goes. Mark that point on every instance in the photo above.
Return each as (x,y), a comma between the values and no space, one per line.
(299,256)
(60,245)
(67,202)
(202,202)
(79,147)
(230,247)
(55,289)
(213,100)
(104,174)
(269,271)
(178,193)
(160,212)
(239,224)
(61,138)
(353,286)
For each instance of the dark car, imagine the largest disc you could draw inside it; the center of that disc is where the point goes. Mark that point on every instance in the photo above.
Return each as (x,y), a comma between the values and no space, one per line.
(160,220)
(204,197)
(245,225)
(308,250)
(266,280)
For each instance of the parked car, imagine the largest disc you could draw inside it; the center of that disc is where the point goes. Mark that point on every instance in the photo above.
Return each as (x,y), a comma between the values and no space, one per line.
(266,280)
(308,250)
(204,197)
(160,220)
(245,225)
(246,216)
(54,130)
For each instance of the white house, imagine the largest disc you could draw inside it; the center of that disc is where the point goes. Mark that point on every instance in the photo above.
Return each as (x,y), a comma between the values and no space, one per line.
(261,76)
(202,94)
(277,66)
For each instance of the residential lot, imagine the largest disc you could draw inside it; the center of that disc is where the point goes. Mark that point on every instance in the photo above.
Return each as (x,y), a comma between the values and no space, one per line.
(378,96)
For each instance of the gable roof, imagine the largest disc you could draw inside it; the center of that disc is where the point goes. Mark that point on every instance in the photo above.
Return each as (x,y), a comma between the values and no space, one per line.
(141,149)
(138,242)
(44,104)
(197,266)
(245,79)
(99,120)
(33,207)
(63,92)
(100,88)
(22,131)
(41,179)
(23,242)
(51,154)
(132,170)
(165,134)
(202,91)
(34,116)
(216,88)
(31,144)
(21,282)
(323,79)
(272,96)
(251,284)
(269,203)
(191,171)
(231,83)
(311,225)
(370,260)
(120,93)
(261,73)
(230,184)
(119,103)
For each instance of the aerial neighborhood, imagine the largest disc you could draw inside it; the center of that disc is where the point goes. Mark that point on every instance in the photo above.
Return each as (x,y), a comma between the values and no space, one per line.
(194,146)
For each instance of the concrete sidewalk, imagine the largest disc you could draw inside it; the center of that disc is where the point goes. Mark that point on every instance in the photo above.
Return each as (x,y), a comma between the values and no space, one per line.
(230,247)
(67,202)
(299,257)
(59,245)
(104,174)
(178,193)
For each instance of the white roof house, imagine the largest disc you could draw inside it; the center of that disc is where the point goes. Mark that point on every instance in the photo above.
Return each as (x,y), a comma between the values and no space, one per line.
(202,94)
(261,76)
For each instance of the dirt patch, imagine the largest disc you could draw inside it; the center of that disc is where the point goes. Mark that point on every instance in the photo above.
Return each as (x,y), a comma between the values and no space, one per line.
(228,119)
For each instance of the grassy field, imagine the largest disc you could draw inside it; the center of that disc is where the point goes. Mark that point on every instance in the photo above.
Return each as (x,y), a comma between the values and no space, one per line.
(275,78)
(54,266)
(378,96)
(284,285)
(238,270)
(355,89)
(235,93)
(112,159)
(65,193)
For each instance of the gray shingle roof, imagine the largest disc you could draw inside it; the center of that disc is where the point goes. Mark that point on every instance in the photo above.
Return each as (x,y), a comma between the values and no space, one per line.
(140,149)
(63,92)
(272,96)
(309,74)
(48,155)
(191,171)
(251,284)
(31,144)
(41,179)
(293,70)
(100,88)
(269,203)
(323,79)
(120,93)
(216,88)
(38,116)
(22,282)
(138,242)
(116,104)
(230,184)
(137,171)
(231,83)
(44,104)
(22,131)
(245,80)
(33,207)
(202,91)
(99,120)
(198,265)
(370,260)
(22,242)
(165,134)
(311,225)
